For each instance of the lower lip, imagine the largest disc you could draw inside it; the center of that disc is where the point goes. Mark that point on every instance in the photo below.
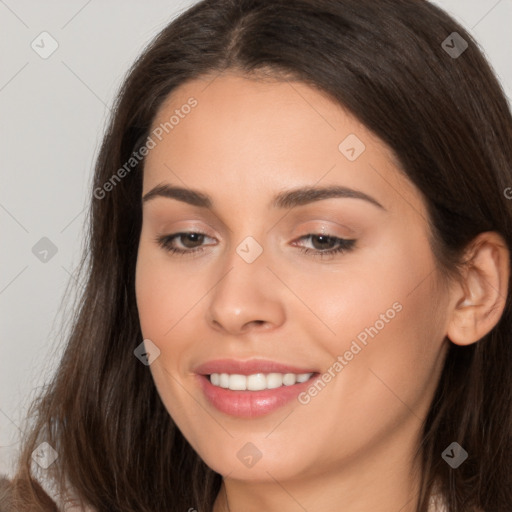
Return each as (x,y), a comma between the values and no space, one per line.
(251,404)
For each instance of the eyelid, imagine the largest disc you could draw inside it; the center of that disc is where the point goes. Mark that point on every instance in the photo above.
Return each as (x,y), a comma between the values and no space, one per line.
(323,227)
(187,227)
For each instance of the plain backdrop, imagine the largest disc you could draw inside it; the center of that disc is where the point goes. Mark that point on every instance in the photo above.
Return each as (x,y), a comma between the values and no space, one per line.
(53,113)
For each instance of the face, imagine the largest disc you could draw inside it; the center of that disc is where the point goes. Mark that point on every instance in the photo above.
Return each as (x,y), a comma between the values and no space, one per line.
(339,284)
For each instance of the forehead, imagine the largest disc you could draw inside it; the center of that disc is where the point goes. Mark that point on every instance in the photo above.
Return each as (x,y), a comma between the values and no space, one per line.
(254,136)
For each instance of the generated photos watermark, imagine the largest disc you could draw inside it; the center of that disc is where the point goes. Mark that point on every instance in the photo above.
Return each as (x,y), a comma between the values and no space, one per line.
(143,151)
(355,348)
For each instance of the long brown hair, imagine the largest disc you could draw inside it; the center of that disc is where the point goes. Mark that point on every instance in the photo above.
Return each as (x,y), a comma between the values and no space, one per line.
(448,122)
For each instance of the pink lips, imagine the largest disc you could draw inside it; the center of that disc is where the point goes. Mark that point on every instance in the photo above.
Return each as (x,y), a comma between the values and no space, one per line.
(249,404)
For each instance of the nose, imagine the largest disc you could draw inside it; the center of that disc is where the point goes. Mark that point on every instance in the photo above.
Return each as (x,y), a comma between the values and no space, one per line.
(248,297)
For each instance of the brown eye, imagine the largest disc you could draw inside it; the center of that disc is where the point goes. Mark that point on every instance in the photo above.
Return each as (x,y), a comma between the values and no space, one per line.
(327,246)
(325,242)
(188,242)
(190,239)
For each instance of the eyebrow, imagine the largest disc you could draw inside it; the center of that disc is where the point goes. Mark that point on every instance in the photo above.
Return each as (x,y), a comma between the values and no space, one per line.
(287,199)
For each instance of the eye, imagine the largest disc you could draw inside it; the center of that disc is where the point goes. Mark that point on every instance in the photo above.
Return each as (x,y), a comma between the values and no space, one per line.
(192,242)
(329,245)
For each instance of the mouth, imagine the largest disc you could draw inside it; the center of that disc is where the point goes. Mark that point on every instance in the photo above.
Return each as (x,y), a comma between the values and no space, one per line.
(258,381)
(255,395)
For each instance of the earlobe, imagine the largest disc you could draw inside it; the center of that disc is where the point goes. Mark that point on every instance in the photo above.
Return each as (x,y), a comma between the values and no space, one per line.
(480,299)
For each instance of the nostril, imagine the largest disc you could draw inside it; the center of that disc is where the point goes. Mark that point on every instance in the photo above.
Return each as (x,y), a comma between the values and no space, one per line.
(254,322)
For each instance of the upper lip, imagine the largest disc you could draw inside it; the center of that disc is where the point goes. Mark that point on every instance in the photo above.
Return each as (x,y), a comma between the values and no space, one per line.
(250,367)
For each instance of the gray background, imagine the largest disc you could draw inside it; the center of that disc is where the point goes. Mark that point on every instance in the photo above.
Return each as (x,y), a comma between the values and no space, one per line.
(53,113)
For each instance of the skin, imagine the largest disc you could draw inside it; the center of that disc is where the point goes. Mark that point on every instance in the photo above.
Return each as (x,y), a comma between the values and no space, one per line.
(353,443)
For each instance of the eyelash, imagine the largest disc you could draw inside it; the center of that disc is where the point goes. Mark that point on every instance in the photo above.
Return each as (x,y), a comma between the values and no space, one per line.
(344,244)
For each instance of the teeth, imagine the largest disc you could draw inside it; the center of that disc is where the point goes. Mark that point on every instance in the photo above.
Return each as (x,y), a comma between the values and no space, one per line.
(257,381)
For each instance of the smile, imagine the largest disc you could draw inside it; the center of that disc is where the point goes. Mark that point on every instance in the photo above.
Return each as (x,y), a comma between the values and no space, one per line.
(257,381)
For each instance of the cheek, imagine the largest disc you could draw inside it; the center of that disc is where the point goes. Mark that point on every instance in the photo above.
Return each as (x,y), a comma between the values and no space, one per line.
(366,289)
(381,299)
(163,301)
(389,325)
(149,305)
(163,293)
(152,301)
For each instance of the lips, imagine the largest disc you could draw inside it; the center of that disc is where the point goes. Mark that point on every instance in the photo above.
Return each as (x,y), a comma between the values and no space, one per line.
(250,367)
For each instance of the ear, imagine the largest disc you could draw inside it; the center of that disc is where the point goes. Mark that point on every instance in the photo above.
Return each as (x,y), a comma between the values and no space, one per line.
(480,299)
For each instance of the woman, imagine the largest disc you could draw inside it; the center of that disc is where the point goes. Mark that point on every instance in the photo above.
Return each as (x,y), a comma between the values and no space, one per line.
(298,290)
